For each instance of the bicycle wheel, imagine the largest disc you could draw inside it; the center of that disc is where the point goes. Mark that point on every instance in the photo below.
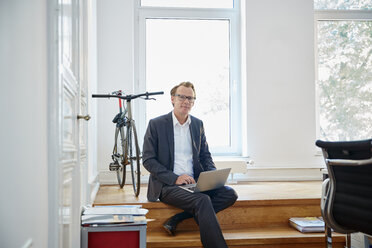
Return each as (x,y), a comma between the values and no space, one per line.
(134,157)
(119,157)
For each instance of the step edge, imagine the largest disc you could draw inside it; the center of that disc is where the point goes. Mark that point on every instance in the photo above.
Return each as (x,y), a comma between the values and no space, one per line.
(238,203)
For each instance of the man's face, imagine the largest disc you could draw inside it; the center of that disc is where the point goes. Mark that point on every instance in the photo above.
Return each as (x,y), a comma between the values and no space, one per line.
(182,107)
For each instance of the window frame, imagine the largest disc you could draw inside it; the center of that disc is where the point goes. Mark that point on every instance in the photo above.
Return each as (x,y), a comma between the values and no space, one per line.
(141,13)
(331,15)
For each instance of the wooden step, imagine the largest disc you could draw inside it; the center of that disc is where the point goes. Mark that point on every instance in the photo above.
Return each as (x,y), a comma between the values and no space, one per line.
(260,223)
(279,237)
(259,204)
(259,218)
(243,214)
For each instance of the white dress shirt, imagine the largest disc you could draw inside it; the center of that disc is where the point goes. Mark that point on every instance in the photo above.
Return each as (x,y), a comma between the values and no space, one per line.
(182,147)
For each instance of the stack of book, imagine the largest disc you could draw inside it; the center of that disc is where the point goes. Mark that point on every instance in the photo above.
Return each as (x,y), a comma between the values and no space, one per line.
(307,224)
(113,215)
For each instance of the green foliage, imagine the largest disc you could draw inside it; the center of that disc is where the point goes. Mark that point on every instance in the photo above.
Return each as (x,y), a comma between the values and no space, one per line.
(345,79)
(343,4)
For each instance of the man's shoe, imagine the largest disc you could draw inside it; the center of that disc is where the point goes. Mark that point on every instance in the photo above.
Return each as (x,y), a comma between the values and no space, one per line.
(170,226)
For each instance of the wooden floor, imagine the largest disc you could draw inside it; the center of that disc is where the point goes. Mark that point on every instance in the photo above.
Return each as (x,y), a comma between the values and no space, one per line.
(259,218)
(253,191)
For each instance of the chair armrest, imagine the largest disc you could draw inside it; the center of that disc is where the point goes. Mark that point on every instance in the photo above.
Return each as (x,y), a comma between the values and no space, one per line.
(349,161)
(324,196)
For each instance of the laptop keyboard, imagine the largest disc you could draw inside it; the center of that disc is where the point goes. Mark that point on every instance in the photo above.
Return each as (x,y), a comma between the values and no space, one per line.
(192,188)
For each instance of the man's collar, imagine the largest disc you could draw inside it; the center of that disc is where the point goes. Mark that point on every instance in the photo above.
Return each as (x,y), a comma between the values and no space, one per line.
(175,120)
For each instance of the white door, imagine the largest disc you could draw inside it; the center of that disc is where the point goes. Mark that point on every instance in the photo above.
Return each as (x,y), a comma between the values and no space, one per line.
(73,108)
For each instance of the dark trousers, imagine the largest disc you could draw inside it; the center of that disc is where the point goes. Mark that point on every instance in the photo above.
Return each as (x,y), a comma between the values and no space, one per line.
(203,206)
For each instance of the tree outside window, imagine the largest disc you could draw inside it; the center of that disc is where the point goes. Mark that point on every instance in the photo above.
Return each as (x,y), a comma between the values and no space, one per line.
(344,82)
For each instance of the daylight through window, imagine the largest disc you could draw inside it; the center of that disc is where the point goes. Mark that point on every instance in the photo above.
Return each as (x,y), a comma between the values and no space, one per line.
(344,85)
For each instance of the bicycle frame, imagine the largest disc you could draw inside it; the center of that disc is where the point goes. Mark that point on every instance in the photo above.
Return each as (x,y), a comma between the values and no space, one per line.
(125,126)
(128,123)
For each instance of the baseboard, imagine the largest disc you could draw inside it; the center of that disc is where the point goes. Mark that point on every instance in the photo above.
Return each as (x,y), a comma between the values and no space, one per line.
(280,174)
(251,175)
(109,178)
(93,189)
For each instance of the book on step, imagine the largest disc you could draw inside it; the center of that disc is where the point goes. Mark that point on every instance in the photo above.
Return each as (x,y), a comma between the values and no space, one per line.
(117,209)
(113,215)
(307,224)
(106,219)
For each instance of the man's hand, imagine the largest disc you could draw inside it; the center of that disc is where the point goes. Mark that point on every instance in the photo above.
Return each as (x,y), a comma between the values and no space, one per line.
(184,179)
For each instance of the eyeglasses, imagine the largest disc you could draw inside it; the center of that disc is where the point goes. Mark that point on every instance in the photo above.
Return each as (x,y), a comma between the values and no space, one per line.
(191,99)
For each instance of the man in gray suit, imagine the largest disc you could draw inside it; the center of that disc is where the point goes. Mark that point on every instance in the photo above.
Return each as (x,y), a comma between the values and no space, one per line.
(175,152)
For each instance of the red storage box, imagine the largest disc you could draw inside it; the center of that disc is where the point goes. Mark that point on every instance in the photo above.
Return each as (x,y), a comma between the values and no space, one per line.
(113,236)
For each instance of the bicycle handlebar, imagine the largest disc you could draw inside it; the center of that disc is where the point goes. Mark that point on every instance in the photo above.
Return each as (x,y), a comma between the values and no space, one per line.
(128,97)
(101,96)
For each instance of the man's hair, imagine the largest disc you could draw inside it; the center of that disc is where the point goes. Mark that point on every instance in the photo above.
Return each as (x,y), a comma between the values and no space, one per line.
(185,84)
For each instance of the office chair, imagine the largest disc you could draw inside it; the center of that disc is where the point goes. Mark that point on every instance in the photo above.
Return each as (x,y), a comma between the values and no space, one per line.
(346,202)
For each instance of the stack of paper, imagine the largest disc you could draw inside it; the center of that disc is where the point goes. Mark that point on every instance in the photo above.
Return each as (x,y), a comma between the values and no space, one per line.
(120,214)
(308,224)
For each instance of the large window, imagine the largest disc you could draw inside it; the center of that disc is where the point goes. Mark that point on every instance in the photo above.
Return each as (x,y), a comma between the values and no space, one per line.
(189,3)
(186,41)
(344,69)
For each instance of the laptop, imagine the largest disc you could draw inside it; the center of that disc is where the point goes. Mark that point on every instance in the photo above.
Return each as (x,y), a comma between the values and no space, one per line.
(208,180)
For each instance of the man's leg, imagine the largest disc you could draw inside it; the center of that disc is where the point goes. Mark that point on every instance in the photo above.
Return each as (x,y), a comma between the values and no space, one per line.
(171,224)
(200,205)
(222,198)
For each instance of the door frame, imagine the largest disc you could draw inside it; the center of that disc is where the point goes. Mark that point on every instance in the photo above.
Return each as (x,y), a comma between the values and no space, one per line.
(54,117)
(54,120)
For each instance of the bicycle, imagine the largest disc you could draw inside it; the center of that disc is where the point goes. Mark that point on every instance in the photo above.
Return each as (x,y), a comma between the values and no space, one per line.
(126,150)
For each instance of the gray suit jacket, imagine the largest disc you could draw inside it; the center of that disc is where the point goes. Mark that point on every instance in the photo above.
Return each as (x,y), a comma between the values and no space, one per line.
(158,153)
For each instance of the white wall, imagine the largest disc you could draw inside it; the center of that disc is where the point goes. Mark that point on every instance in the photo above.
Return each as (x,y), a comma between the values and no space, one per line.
(280,84)
(115,69)
(23,126)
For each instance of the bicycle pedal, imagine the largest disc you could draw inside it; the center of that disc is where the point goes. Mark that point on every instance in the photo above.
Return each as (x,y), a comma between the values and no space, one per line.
(114,166)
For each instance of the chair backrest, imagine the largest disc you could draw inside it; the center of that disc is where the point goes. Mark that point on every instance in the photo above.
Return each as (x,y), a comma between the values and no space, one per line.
(355,150)
(348,200)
